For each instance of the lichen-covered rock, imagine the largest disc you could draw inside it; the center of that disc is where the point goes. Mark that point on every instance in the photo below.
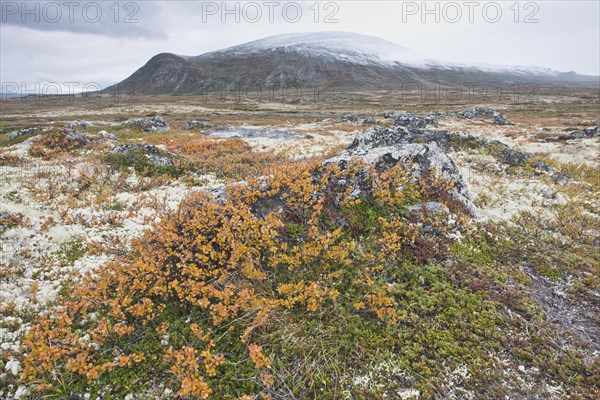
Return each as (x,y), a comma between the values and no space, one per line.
(156,156)
(412,121)
(154,124)
(392,145)
(592,132)
(381,136)
(477,112)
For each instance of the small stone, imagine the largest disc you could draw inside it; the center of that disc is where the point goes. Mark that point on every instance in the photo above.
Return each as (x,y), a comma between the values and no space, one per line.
(542,167)
(369,121)
(350,118)
(194,124)
(515,158)
(107,136)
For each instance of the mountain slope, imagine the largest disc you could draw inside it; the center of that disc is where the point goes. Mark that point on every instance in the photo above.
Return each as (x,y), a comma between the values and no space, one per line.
(343,59)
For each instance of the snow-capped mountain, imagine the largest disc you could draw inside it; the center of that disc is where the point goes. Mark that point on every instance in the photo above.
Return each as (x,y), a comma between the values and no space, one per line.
(344,59)
(341,46)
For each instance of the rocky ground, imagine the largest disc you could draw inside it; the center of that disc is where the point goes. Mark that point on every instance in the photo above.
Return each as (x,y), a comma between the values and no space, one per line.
(78,183)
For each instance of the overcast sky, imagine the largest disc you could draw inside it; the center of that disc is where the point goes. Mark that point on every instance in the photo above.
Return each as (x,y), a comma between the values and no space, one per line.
(86,42)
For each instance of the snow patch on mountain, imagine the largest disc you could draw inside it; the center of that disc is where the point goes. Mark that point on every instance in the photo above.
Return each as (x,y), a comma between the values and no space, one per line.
(344,46)
(365,50)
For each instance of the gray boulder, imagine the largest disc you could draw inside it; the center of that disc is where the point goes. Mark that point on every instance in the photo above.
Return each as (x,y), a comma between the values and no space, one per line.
(379,137)
(446,141)
(500,119)
(478,112)
(190,125)
(154,124)
(586,133)
(156,156)
(392,145)
(411,121)
(592,132)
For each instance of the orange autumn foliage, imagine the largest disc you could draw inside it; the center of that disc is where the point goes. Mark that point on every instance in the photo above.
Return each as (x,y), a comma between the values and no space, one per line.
(277,243)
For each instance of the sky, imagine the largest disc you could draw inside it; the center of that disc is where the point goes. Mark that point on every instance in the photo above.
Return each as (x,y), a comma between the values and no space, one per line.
(82,45)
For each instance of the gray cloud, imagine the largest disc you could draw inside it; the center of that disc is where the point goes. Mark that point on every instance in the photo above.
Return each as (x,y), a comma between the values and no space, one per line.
(134,19)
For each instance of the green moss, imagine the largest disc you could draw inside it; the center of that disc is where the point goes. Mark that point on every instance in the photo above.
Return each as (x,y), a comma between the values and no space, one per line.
(363,217)
(71,251)
(143,166)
